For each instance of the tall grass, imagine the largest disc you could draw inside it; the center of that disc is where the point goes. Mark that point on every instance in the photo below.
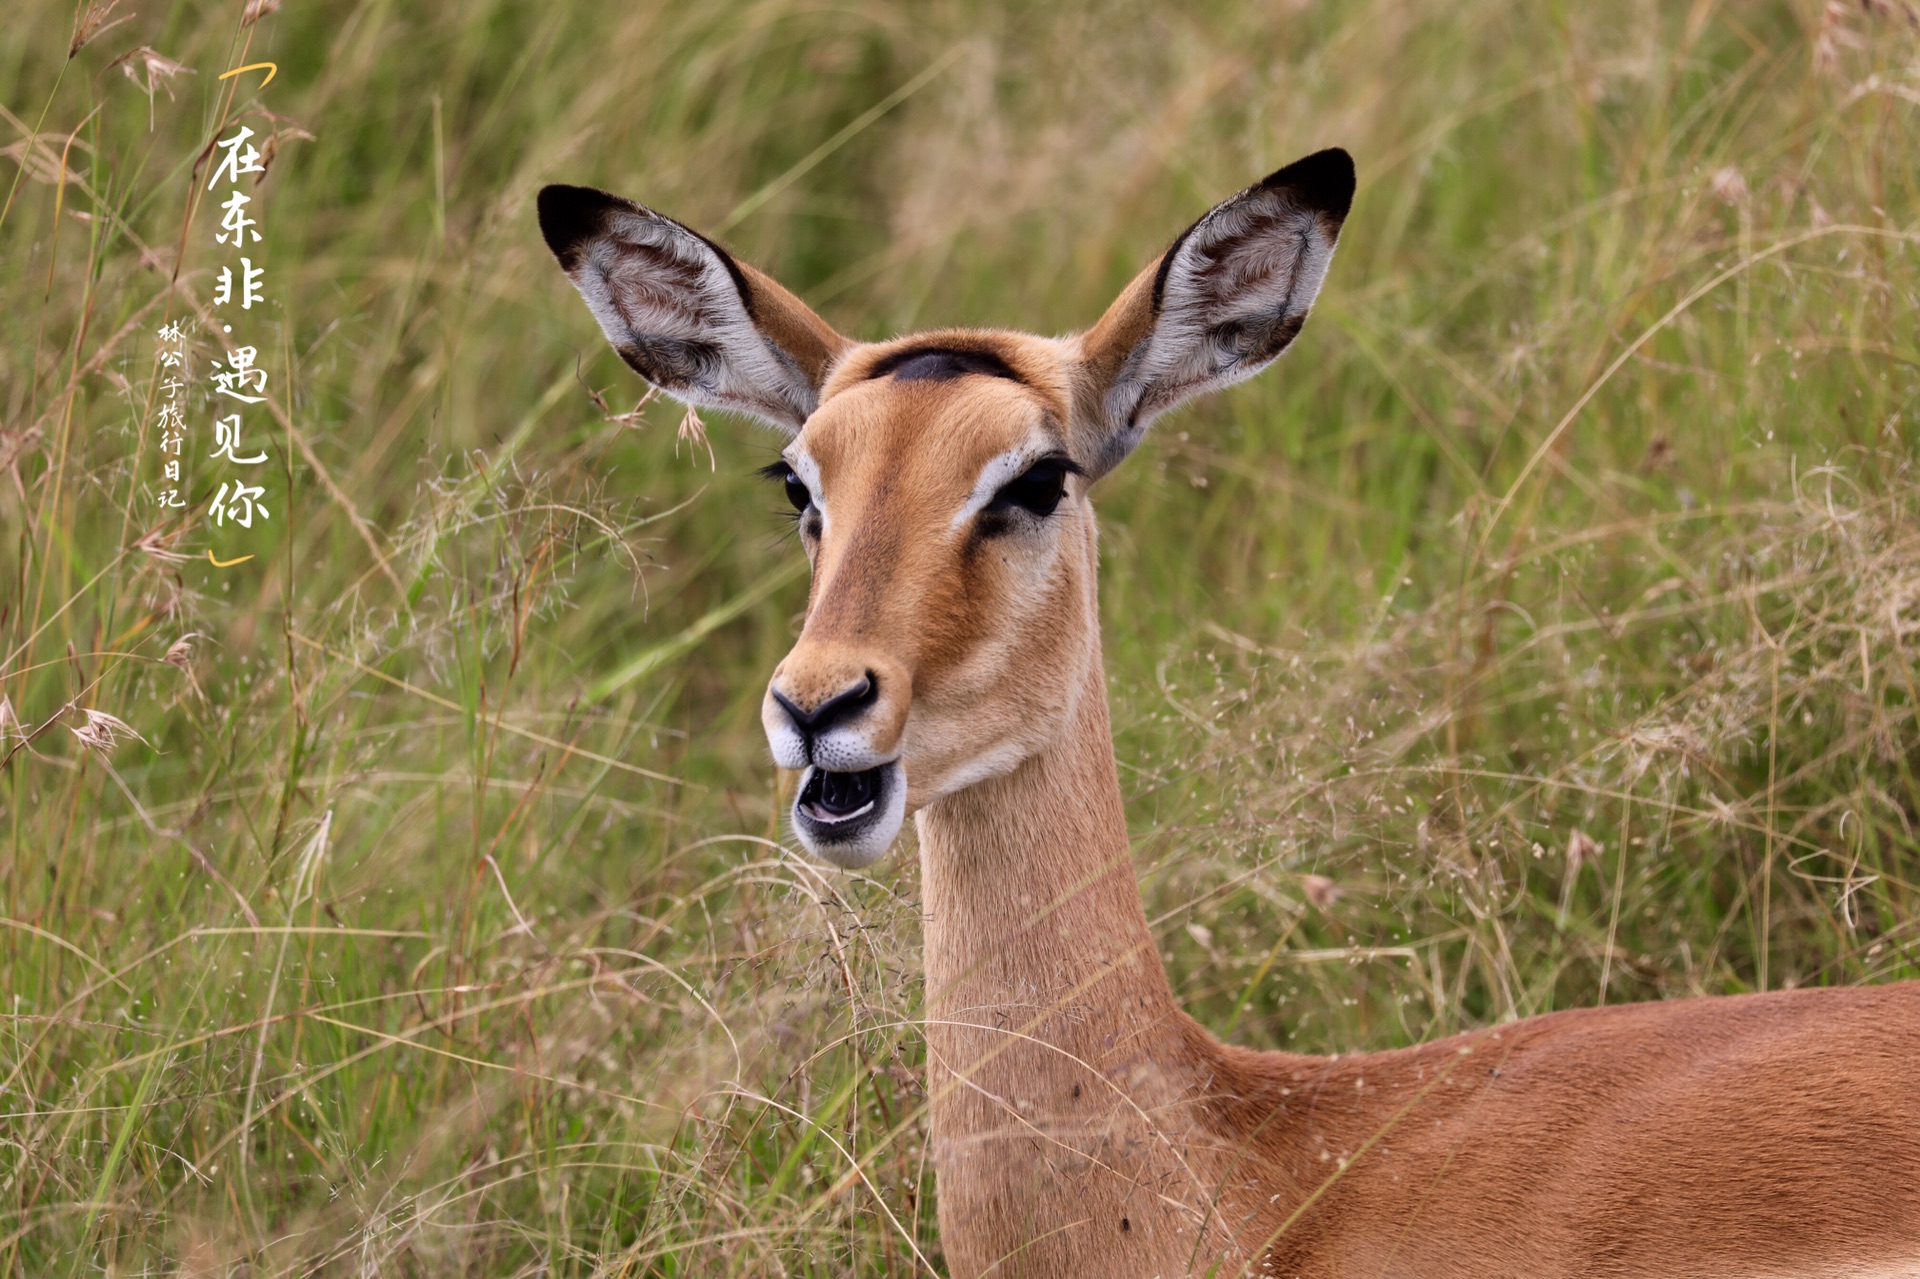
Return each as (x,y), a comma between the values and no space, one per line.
(1540,633)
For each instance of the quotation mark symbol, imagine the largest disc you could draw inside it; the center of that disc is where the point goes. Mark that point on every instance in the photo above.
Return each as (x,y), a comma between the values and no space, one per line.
(272,69)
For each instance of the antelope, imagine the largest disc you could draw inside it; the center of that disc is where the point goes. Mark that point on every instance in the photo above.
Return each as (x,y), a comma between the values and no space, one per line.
(949,667)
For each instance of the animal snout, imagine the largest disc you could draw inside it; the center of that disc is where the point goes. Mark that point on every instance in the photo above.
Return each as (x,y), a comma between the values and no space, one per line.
(835,711)
(846,704)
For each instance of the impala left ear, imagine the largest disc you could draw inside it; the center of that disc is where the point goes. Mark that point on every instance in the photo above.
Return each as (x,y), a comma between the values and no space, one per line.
(1218,306)
(690,318)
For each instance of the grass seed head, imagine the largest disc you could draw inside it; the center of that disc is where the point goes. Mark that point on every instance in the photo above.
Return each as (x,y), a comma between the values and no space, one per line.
(179,654)
(91,23)
(157,543)
(160,69)
(1729,187)
(102,732)
(1320,890)
(1581,849)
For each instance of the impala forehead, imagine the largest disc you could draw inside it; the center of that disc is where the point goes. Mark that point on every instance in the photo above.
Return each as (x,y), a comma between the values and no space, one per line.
(947,446)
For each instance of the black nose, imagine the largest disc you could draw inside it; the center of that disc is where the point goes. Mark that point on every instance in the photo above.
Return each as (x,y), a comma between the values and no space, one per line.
(844,705)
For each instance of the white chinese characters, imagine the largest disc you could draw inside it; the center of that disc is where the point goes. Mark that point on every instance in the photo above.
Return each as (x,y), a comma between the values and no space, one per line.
(236,158)
(250,276)
(240,507)
(226,441)
(237,377)
(172,424)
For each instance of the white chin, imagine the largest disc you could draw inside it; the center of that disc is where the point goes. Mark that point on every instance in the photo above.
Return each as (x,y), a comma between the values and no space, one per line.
(858,833)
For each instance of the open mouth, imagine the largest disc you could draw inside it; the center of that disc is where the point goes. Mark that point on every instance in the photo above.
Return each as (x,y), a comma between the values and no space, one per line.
(832,799)
(850,819)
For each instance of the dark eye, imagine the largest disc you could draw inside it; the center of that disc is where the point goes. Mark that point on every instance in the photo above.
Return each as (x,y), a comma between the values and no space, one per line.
(782,474)
(1037,491)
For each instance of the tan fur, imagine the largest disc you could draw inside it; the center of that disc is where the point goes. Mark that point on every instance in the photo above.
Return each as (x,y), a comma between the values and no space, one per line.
(1082,1124)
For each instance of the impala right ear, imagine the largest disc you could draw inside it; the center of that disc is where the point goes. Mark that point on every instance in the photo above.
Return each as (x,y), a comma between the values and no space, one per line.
(1217,307)
(685,314)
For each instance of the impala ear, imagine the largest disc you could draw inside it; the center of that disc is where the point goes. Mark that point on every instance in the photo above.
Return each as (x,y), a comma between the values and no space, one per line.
(689,318)
(1218,306)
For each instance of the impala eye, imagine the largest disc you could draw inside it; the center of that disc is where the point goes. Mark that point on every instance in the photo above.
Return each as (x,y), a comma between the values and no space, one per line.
(1038,491)
(795,488)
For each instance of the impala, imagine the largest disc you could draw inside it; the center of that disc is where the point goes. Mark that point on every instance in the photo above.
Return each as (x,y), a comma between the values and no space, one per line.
(949,668)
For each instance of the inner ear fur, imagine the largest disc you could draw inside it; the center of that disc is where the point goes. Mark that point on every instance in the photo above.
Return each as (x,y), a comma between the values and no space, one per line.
(685,314)
(1219,305)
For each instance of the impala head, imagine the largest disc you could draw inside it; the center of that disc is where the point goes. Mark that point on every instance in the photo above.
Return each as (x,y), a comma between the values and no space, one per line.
(940,480)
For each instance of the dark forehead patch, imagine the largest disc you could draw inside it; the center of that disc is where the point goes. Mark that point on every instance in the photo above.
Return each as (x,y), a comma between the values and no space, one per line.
(940,364)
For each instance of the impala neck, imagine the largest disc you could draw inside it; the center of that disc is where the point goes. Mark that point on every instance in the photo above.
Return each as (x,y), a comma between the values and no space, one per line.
(1034,921)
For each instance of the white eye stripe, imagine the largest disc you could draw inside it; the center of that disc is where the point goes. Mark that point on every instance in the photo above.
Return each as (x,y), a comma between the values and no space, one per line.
(994,477)
(809,472)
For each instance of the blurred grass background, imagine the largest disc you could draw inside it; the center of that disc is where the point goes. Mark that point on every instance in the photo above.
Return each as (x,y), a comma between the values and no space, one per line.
(1540,632)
